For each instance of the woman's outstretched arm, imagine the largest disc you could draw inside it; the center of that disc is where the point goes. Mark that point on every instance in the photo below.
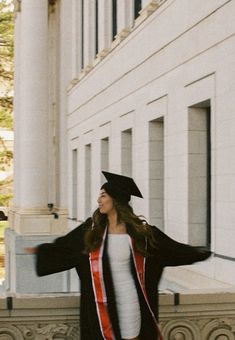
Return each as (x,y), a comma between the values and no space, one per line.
(174,253)
(62,254)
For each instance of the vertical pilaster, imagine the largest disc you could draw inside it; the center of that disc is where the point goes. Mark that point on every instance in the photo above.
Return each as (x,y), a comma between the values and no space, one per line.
(77,48)
(89,33)
(104,27)
(125,18)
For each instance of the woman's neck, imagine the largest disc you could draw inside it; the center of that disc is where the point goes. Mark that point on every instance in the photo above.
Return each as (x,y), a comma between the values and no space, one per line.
(115,227)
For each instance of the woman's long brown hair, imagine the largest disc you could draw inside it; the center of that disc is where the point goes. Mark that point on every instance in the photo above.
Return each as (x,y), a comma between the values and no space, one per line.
(136,226)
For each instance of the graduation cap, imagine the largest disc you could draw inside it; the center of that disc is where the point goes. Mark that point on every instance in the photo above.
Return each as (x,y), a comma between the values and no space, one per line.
(120,187)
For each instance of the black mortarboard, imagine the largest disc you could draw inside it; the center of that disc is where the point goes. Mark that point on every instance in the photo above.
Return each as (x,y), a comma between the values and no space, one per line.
(120,187)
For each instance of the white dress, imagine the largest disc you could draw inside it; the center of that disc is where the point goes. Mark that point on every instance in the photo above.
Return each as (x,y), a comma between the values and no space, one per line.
(128,308)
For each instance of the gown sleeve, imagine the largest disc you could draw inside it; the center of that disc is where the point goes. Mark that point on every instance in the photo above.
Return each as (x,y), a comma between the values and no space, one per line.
(174,253)
(63,254)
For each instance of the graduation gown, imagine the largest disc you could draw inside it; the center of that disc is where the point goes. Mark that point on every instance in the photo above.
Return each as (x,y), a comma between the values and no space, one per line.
(67,252)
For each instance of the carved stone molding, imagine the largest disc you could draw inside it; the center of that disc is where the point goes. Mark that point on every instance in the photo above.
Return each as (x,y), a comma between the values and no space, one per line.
(181,330)
(56,317)
(219,329)
(199,329)
(51,331)
(10,333)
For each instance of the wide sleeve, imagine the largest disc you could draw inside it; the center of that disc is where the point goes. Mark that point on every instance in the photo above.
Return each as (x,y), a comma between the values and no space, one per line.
(173,253)
(63,254)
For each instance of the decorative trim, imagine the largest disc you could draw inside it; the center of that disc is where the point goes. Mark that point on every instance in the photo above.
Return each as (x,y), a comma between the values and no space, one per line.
(102,54)
(121,36)
(147,10)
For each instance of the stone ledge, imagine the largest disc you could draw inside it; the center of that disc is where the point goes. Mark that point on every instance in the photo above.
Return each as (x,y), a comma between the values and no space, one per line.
(195,316)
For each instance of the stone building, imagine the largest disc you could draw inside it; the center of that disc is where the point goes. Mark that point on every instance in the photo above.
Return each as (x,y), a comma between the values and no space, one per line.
(142,88)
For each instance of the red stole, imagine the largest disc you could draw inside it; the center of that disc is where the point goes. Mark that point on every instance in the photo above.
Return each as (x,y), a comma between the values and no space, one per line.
(99,288)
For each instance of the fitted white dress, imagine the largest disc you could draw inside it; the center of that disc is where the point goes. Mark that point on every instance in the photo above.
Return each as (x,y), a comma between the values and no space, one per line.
(128,308)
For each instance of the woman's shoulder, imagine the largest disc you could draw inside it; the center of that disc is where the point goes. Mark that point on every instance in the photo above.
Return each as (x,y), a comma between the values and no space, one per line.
(82,227)
(155,230)
(159,236)
(76,234)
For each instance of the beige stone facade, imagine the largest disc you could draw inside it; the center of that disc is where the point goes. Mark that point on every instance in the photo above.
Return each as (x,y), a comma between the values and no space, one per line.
(152,97)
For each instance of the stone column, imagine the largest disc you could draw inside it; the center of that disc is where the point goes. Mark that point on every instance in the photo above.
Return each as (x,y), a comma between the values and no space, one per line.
(34,104)
(31,222)
(104,27)
(125,18)
(17,43)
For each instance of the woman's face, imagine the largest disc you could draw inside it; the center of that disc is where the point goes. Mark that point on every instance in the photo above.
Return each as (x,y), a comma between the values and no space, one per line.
(105,202)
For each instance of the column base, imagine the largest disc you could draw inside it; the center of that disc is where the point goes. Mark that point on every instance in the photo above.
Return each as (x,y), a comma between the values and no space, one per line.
(21,276)
(38,221)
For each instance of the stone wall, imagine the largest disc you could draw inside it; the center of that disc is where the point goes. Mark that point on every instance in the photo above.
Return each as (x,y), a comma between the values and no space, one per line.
(199,316)
(194,316)
(39,317)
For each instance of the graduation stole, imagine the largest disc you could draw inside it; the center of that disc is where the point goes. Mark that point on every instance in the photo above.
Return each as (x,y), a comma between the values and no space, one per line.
(139,262)
(96,268)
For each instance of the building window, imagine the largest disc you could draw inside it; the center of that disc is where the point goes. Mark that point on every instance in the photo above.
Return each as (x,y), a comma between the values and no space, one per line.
(156,172)
(96,27)
(114,18)
(82,34)
(104,155)
(138,6)
(87,180)
(126,152)
(199,174)
(74,184)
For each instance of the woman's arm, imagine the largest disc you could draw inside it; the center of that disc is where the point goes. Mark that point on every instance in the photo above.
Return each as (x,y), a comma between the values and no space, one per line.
(174,253)
(63,254)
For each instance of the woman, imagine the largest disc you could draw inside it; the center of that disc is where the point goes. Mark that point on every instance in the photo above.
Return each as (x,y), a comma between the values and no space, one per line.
(119,259)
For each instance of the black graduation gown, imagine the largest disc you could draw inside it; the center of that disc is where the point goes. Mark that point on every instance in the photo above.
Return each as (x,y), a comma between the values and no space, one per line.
(68,252)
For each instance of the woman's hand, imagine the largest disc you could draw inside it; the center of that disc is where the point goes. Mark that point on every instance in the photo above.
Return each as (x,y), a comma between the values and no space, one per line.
(30,250)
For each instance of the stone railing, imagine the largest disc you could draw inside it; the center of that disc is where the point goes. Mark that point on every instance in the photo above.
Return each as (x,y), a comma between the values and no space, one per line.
(199,316)
(41,317)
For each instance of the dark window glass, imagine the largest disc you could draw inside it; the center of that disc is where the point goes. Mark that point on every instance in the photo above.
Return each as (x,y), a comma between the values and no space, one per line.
(208,176)
(82,43)
(138,7)
(96,27)
(114,12)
